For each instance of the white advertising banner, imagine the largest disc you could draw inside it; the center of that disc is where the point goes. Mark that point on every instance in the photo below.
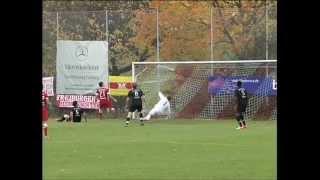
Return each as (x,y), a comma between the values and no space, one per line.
(81,65)
(47,85)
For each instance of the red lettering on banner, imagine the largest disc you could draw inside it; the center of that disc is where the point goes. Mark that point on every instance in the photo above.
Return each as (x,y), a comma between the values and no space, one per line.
(129,85)
(114,85)
(120,85)
(86,102)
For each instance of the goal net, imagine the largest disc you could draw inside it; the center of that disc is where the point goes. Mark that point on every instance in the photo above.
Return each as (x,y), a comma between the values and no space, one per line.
(205,89)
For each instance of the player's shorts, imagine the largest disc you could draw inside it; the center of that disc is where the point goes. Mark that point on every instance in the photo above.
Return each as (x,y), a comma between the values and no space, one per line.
(242,108)
(104,104)
(77,119)
(45,114)
(135,107)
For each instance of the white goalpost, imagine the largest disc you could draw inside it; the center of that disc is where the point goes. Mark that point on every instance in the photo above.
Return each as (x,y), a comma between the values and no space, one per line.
(204,89)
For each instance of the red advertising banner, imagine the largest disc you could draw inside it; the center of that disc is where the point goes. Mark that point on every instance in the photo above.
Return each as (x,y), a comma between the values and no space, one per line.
(120,85)
(85,102)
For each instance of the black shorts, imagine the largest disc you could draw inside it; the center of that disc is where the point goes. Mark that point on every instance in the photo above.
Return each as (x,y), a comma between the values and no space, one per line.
(242,108)
(77,119)
(134,107)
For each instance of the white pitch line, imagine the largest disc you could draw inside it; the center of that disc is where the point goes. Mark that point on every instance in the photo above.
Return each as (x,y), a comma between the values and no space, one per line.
(199,143)
(169,142)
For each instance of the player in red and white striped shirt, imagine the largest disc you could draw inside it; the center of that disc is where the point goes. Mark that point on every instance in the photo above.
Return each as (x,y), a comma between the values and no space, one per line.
(45,112)
(104,99)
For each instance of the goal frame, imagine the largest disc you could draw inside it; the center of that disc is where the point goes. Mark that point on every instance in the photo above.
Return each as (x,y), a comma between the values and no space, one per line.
(197,62)
(211,65)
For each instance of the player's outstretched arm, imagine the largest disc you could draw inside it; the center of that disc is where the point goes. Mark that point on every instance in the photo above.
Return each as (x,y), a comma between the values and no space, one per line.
(114,99)
(161,95)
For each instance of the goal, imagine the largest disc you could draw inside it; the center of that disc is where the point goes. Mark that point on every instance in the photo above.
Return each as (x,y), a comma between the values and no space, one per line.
(205,89)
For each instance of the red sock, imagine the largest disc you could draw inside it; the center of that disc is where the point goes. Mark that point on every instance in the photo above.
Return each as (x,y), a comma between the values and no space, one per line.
(45,131)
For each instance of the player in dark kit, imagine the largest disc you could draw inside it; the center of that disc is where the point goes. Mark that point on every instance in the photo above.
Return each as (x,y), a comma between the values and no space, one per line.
(134,102)
(76,113)
(241,98)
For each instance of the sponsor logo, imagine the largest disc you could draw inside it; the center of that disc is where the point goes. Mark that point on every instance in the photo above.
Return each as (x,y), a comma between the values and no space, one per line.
(81,52)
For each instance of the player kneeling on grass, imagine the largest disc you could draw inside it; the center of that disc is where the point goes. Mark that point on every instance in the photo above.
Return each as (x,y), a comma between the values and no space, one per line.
(161,108)
(104,99)
(75,114)
(241,98)
(134,102)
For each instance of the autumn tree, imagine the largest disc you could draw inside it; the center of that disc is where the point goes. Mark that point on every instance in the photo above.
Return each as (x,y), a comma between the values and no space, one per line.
(242,28)
(86,20)
(239,29)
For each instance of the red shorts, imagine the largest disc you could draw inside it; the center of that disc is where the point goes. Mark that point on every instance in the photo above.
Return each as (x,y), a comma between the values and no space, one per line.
(105,104)
(45,114)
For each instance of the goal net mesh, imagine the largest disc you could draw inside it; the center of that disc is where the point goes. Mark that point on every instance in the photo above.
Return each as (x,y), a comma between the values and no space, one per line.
(206,90)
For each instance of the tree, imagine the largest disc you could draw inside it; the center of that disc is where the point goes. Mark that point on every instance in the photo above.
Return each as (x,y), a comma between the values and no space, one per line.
(85,20)
(244,28)
(184,30)
(238,29)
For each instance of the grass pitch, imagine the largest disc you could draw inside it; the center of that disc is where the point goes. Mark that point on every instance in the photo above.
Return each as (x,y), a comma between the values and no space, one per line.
(162,149)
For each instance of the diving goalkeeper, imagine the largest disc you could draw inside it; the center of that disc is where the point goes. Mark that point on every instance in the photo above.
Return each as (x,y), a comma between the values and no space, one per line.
(161,108)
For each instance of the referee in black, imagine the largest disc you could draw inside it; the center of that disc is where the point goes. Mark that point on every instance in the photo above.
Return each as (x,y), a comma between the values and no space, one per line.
(134,103)
(241,103)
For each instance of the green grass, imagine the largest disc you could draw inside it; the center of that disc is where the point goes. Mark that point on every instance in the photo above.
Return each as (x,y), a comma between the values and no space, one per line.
(162,149)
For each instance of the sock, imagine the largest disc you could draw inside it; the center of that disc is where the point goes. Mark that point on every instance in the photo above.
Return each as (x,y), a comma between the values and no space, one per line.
(243,122)
(141,117)
(127,120)
(239,120)
(45,131)
(240,123)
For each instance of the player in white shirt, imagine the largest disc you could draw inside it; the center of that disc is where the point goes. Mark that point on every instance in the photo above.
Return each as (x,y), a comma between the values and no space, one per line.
(161,108)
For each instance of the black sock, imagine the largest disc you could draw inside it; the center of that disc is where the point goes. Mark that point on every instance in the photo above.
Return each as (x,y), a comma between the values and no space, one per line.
(243,122)
(127,120)
(141,120)
(238,117)
(241,117)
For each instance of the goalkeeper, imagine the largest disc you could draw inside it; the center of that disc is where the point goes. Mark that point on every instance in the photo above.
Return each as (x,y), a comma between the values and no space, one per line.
(161,108)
